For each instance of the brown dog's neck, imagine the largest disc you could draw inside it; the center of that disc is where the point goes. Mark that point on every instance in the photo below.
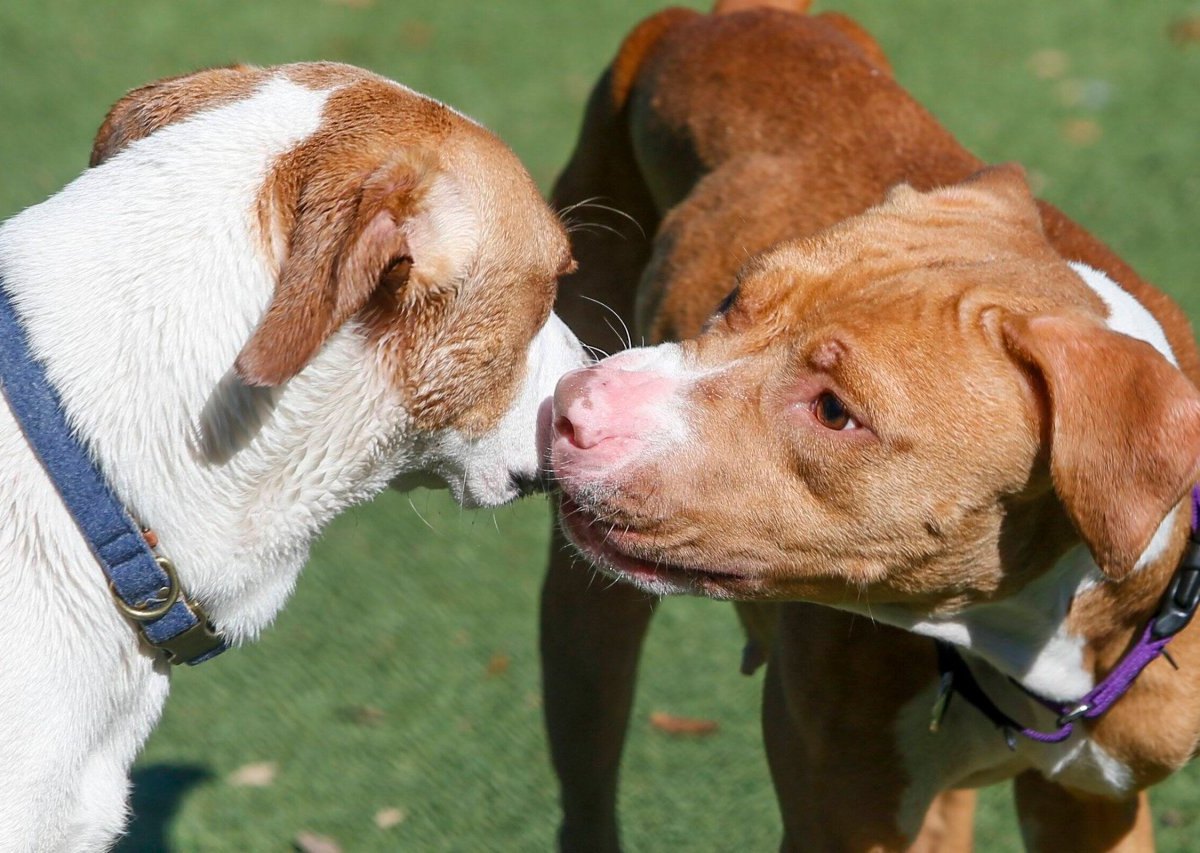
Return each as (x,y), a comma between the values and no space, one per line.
(1061,625)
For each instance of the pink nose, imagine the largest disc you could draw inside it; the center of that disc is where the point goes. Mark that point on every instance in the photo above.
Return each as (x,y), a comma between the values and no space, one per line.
(603,415)
(573,397)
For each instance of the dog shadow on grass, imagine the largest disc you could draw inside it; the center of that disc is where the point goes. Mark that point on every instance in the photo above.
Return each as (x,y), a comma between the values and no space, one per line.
(158,792)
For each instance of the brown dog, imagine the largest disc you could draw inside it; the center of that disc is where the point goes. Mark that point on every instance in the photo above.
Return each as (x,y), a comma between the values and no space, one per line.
(912,407)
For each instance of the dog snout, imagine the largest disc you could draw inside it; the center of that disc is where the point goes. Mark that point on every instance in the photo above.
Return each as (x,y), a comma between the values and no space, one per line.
(603,415)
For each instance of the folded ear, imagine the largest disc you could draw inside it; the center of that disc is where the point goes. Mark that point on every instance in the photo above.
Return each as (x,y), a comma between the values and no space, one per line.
(1124,430)
(347,239)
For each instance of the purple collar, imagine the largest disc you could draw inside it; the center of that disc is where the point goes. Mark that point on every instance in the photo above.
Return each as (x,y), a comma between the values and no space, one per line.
(1174,612)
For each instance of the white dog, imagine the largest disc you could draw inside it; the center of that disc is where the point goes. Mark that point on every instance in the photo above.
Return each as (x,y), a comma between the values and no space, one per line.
(275,292)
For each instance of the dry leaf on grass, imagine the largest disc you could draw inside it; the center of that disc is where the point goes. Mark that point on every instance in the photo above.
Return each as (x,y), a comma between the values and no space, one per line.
(1185,31)
(1171,818)
(387,818)
(310,842)
(1049,64)
(498,665)
(362,715)
(1081,131)
(683,726)
(258,774)
(416,34)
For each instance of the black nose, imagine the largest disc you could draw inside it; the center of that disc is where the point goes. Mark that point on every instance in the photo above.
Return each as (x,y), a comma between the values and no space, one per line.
(528,484)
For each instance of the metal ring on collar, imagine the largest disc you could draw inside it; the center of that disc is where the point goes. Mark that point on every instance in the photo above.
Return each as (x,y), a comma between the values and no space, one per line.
(1074,714)
(153,608)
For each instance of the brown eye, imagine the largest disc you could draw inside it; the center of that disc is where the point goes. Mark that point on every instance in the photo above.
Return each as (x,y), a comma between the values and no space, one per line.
(395,274)
(831,413)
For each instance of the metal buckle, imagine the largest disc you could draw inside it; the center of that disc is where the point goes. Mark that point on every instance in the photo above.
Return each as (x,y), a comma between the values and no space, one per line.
(1182,597)
(1074,714)
(152,608)
(185,646)
(942,703)
(196,641)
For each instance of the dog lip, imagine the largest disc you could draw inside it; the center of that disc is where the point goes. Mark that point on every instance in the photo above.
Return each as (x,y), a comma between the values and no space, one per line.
(596,540)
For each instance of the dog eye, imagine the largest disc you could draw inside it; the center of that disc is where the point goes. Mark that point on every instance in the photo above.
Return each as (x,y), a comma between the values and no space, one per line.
(395,274)
(831,412)
(728,301)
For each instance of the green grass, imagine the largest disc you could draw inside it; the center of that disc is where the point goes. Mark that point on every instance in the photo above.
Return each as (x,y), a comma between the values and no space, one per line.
(403,673)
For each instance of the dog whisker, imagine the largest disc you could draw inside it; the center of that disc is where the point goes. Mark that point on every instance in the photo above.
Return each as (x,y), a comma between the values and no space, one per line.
(628,337)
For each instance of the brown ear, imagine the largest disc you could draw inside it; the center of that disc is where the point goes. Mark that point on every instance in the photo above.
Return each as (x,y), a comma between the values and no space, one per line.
(1124,430)
(144,110)
(347,237)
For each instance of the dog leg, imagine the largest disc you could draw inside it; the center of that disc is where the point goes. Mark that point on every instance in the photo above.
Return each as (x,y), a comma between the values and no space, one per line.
(949,825)
(592,629)
(100,813)
(591,639)
(1055,818)
(834,687)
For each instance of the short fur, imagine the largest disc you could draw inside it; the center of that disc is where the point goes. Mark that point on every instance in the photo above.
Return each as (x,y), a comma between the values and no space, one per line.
(276,291)
(994,484)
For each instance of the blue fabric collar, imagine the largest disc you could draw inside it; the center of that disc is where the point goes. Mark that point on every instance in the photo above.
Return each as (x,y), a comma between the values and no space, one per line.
(145,588)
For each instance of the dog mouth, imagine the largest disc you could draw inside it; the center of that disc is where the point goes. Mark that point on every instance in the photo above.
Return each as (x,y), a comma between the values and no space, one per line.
(630,556)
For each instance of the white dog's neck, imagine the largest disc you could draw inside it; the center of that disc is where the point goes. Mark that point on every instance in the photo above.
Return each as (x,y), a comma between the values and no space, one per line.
(235,481)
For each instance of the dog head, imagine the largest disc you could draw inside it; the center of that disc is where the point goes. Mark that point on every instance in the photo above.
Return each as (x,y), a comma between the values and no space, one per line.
(416,232)
(923,405)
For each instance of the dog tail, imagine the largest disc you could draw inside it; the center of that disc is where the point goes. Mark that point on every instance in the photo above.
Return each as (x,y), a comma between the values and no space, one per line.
(724,7)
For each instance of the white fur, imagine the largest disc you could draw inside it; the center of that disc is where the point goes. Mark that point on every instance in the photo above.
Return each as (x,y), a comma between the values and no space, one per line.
(1024,635)
(480,471)
(1125,314)
(139,283)
(673,418)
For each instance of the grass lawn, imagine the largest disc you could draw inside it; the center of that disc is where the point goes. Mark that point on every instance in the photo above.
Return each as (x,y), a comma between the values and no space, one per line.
(400,686)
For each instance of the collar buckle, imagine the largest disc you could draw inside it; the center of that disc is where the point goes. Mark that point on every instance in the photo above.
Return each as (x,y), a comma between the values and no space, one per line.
(1182,597)
(1074,714)
(194,645)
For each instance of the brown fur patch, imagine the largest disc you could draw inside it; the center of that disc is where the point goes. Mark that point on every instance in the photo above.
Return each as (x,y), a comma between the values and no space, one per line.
(451,334)
(357,218)
(155,105)
(746,130)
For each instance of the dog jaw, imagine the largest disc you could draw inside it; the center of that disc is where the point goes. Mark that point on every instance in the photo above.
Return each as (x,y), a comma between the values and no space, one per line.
(499,465)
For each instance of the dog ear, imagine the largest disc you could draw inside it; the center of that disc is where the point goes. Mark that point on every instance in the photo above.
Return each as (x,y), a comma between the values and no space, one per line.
(147,108)
(347,238)
(1123,426)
